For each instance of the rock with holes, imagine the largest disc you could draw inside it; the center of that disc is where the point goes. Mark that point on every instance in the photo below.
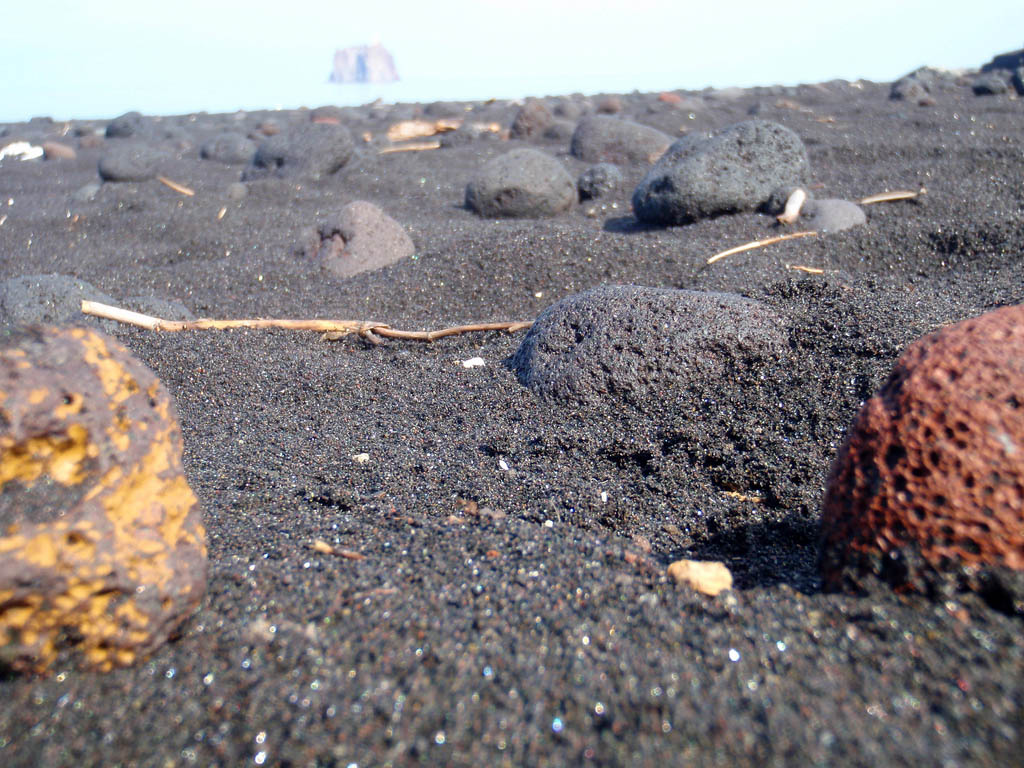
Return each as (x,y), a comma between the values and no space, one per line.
(523,183)
(736,170)
(638,345)
(102,547)
(928,490)
(361,237)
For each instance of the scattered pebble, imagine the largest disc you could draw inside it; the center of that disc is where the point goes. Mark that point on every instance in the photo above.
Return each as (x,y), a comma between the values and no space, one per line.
(360,237)
(603,139)
(523,183)
(706,577)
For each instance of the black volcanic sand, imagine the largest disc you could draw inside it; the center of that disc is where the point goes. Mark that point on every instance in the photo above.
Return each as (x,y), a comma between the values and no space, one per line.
(514,617)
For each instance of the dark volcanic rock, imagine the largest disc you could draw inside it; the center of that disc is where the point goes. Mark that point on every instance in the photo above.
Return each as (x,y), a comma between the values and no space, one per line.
(361,237)
(599,180)
(604,139)
(127,125)
(315,150)
(523,183)
(531,120)
(736,170)
(990,84)
(104,551)
(129,161)
(627,343)
(929,486)
(229,148)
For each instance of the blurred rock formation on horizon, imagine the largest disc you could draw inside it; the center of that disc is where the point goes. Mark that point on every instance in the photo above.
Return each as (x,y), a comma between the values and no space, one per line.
(364,64)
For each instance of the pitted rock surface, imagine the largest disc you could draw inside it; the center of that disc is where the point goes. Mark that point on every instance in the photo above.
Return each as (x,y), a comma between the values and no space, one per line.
(523,183)
(628,343)
(736,170)
(102,547)
(930,482)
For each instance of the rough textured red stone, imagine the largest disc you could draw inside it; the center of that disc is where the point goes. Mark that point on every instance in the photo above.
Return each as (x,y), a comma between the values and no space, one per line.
(929,486)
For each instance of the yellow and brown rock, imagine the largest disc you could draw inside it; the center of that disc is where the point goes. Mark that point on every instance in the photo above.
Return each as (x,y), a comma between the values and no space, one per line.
(102,547)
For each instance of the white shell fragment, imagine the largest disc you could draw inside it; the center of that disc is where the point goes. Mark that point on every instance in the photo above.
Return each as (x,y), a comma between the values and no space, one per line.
(21,149)
(361,458)
(473,362)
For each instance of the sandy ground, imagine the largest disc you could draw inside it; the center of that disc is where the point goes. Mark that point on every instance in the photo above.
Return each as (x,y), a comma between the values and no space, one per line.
(507,610)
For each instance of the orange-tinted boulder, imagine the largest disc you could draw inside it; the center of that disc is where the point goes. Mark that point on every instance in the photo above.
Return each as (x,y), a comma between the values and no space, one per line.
(928,489)
(102,548)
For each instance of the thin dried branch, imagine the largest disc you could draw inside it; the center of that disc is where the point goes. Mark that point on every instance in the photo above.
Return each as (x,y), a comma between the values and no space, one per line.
(808,270)
(416,146)
(758,244)
(332,329)
(180,188)
(888,197)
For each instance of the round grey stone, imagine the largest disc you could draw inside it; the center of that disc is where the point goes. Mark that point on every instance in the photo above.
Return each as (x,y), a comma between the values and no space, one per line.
(523,183)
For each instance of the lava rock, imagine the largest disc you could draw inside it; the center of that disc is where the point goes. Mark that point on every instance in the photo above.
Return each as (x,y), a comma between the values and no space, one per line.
(523,183)
(737,170)
(51,299)
(989,84)
(126,126)
(54,150)
(314,150)
(599,180)
(360,238)
(229,148)
(531,120)
(103,546)
(927,492)
(832,215)
(604,139)
(129,161)
(628,343)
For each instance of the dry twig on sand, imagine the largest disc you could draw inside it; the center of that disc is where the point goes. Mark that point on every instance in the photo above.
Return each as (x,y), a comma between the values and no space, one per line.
(180,188)
(888,197)
(758,244)
(332,329)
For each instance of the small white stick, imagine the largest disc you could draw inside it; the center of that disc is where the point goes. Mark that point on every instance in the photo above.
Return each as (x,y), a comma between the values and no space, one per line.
(794,203)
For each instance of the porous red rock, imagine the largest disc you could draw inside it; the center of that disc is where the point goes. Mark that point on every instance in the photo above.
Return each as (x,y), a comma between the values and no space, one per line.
(102,547)
(928,489)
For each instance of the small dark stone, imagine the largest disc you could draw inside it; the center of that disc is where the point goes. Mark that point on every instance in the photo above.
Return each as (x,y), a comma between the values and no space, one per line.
(127,125)
(129,161)
(314,150)
(989,84)
(229,148)
(598,180)
(531,120)
(523,183)
(603,139)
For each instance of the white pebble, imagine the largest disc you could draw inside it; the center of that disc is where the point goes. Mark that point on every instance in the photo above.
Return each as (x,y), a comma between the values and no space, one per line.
(503,465)
(361,458)
(473,362)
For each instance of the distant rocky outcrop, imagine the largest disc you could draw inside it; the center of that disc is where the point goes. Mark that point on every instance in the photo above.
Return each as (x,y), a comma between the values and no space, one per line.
(364,64)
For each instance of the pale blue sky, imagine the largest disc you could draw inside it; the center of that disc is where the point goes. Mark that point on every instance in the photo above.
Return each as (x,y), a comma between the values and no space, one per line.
(99,59)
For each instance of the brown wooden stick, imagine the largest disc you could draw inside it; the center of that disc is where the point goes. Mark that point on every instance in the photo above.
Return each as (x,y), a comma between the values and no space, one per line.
(758,244)
(332,329)
(888,197)
(180,188)
(416,146)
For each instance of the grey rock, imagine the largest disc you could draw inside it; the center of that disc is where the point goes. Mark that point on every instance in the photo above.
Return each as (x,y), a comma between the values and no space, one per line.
(559,130)
(989,84)
(627,343)
(50,299)
(736,170)
(129,161)
(604,139)
(831,215)
(523,183)
(127,125)
(531,120)
(598,180)
(359,238)
(314,150)
(229,148)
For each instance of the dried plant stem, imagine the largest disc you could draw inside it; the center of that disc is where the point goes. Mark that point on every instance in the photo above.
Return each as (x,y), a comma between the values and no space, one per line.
(180,188)
(758,244)
(332,329)
(417,146)
(888,197)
